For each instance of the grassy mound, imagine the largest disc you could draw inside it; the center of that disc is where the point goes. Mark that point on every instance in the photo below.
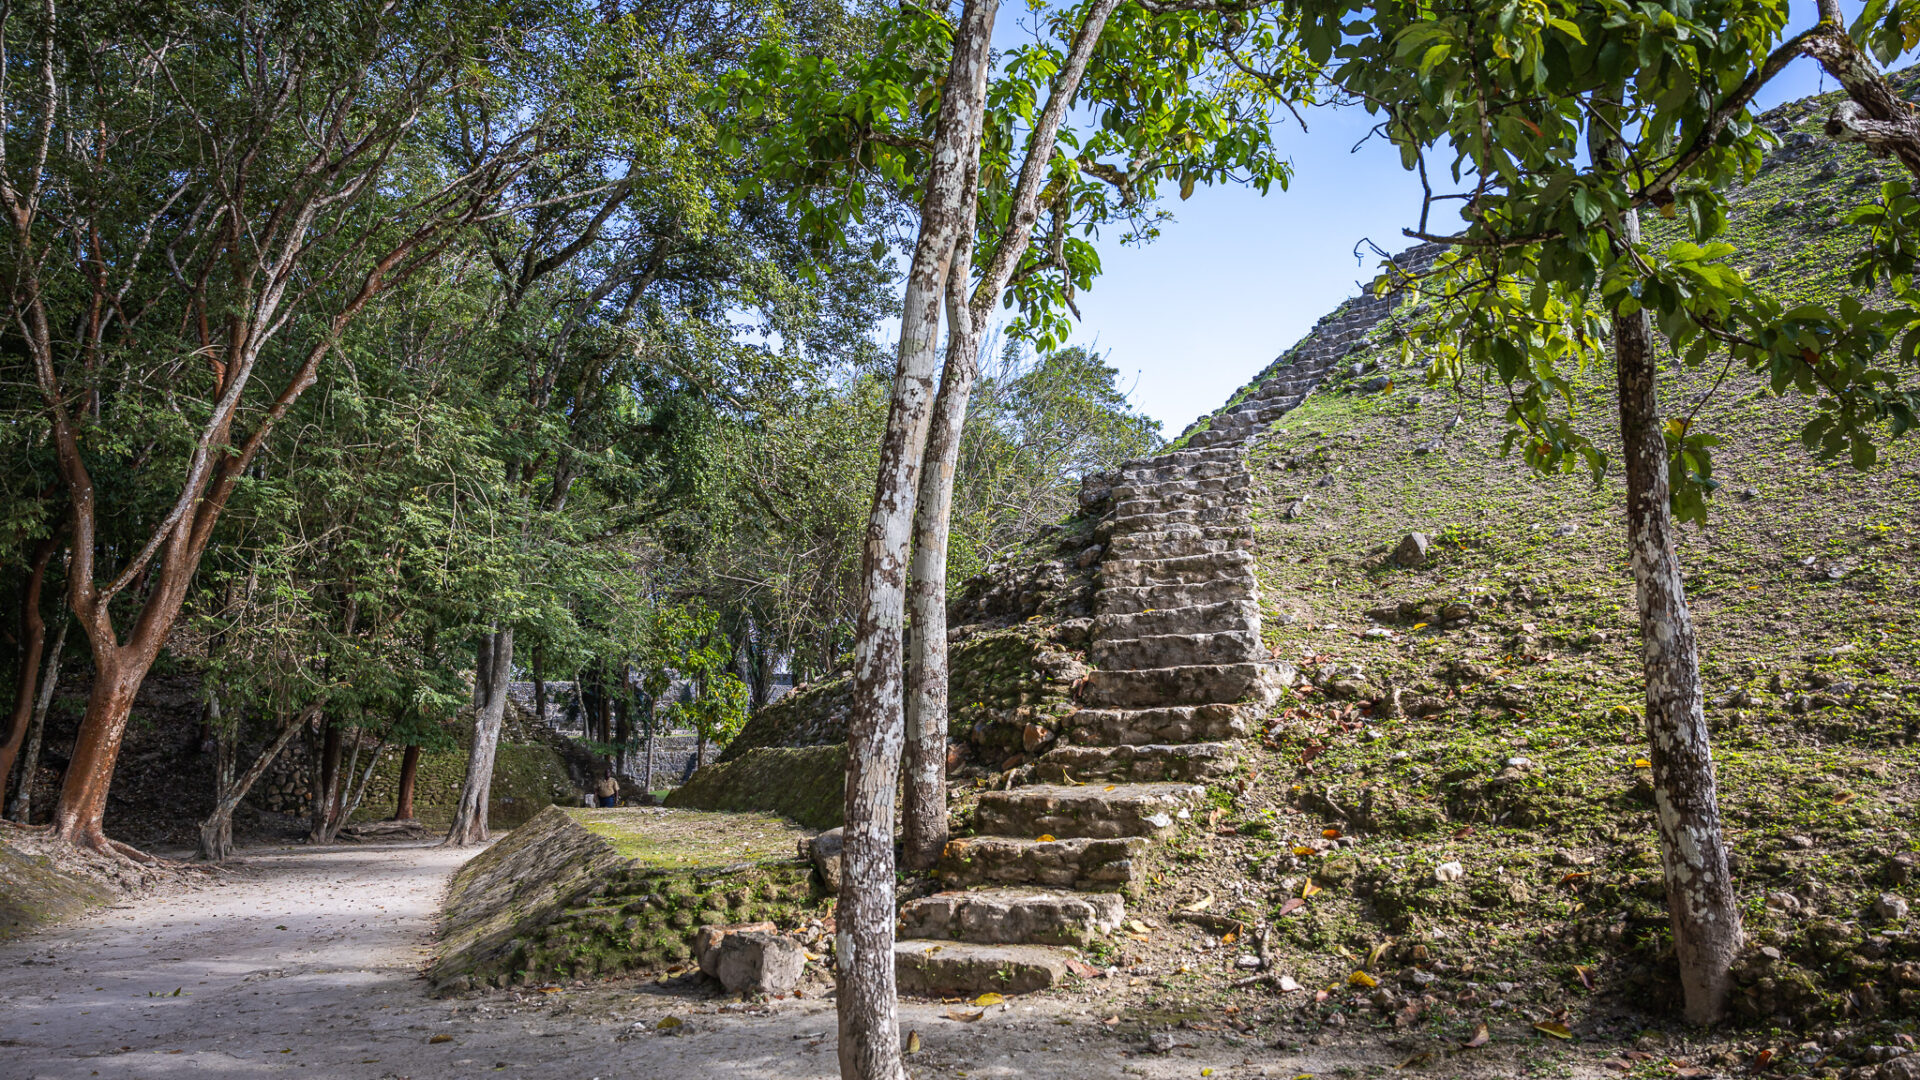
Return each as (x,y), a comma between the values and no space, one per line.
(584,893)
(807,784)
(34,892)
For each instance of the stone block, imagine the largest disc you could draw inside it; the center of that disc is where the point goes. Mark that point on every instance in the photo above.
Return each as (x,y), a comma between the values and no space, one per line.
(756,962)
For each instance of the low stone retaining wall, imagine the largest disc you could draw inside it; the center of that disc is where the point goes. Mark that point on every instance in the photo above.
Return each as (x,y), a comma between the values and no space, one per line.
(807,784)
(579,893)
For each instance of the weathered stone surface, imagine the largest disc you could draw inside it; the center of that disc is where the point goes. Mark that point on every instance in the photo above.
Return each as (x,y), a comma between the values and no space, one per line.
(1191,685)
(824,852)
(1012,916)
(1412,550)
(947,969)
(1135,763)
(1170,724)
(1076,863)
(1181,570)
(1132,601)
(1090,811)
(805,783)
(1179,650)
(707,939)
(758,962)
(1228,615)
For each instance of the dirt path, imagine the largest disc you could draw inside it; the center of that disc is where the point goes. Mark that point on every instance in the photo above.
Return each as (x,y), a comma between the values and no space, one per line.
(303,962)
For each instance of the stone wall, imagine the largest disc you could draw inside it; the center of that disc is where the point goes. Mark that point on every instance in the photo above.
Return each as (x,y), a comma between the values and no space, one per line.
(584,893)
(804,783)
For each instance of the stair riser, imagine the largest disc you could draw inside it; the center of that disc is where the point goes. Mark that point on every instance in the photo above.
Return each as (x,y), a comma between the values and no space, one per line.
(1134,764)
(1092,814)
(1174,547)
(1135,601)
(1058,919)
(1218,487)
(1178,650)
(1228,616)
(1069,864)
(1178,686)
(948,972)
(1184,570)
(1121,727)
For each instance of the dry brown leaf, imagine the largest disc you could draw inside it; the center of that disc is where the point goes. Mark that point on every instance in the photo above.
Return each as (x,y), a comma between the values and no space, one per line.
(1481,1037)
(964,1016)
(438,1039)
(913,1042)
(1201,904)
(1554,1028)
(1292,905)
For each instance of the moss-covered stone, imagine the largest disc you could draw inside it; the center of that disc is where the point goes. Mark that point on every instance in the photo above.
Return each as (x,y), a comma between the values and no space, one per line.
(807,784)
(580,893)
(34,893)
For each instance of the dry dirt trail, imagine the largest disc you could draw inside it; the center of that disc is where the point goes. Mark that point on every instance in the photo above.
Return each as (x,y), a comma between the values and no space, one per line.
(303,962)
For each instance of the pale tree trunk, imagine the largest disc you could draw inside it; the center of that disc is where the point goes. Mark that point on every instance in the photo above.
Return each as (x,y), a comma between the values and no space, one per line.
(869,1044)
(216,833)
(1701,904)
(969,307)
(33,641)
(21,808)
(470,817)
(924,823)
(653,724)
(366,781)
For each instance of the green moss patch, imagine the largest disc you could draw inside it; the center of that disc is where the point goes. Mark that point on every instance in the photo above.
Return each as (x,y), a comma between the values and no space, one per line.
(34,892)
(579,893)
(807,784)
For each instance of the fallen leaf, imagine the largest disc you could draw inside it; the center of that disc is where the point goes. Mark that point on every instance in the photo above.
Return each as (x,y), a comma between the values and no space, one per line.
(1044,838)
(1111,1020)
(1229,937)
(1481,1037)
(1375,954)
(551,989)
(1309,752)
(1846,797)
(1206,1072)
(987,999)
(1554,1028)
(668,1023)
(1331,834)
(1068,777)
(1760,1059)
(1286,985)
(1201,904)
(1463,833)
(1110,787)
(913,1042)
(1321,995)
(1416,1060)
(438,1039)
(1303,852)
(1363,980)
(1584,974)
(1572,877)
(1292,905)
(1136,926)
(1309,888)
(1642,763)
(969,1017)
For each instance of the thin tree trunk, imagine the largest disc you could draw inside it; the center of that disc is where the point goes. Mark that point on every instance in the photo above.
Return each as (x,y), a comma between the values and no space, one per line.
(925,824)
(21,809)
(864,963)
(653,725)
(33,641)
(409,769)
(360,793)
(482,672)
(470,817)
(326,777)
(539,687)
(1701,903)
(216,833)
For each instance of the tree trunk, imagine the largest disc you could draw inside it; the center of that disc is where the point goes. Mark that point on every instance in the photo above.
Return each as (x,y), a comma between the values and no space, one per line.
(409,768)
(869,1033)
(33,641)
(1700,896)
(216,833)
(21,809)
(539,687)
(80,815)
(359,794)
(925,824)
(326,778)
(482,671)
(470,817)
(653,724)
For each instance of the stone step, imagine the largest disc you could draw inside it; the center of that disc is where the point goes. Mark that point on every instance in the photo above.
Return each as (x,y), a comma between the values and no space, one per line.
(1202,470)
(1150,763)
(1136,521)
(1167,724)
(1213,437)
(1094,811)
(1013,916)
(1162,544)
(960,969)
(1225,616)
(1075,863)
(1179,570)
(1198,684)
(1179,650)
(1184,483)
(1130,600)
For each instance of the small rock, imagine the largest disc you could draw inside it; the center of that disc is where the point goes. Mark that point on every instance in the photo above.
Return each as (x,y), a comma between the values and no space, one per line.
(1294,509)
(1033,737)
(1449,871)
(1802,843)
(1161,1042)
(1412,550)
(1890,907)
(1376,384)
(1906,1067)
(1088,556)
(824,850)
(707,941)
(1784,902)
(1456,612)
(1567,529)
(1247,963)
(1159,821)
(1286,985)
(759,962)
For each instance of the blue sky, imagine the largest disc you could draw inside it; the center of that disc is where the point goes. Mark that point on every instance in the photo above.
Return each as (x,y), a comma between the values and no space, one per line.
(1238,278)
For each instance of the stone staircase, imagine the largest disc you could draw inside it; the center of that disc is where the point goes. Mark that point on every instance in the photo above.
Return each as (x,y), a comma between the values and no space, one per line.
(1180,671)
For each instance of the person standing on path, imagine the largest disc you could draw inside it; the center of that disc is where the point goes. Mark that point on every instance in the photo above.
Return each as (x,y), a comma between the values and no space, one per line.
(608,790)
